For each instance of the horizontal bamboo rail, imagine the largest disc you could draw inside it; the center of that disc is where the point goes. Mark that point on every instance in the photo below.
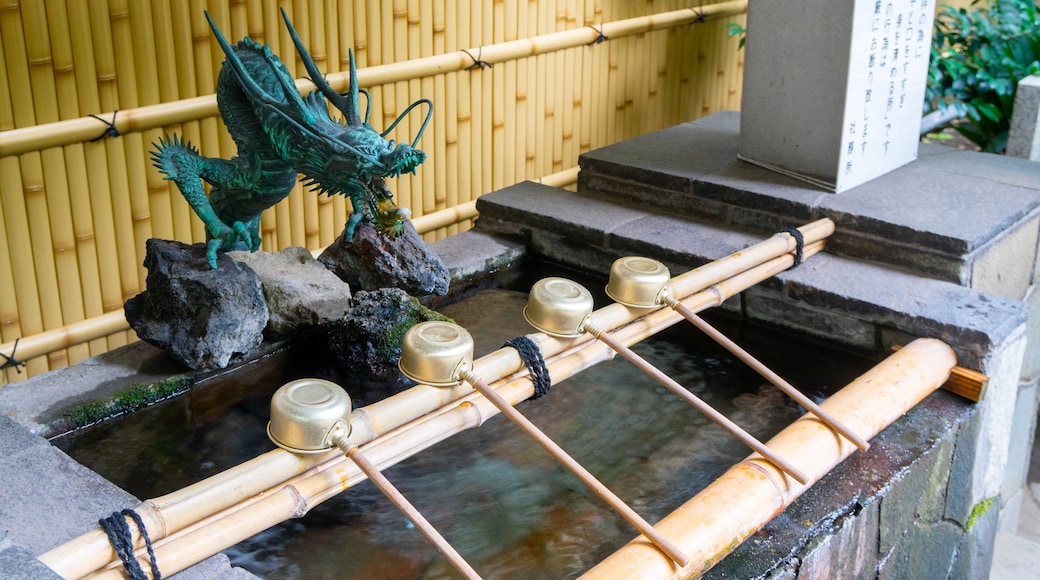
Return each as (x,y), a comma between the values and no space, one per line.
(107,324)
(752,492)
(84,129)
(701,288)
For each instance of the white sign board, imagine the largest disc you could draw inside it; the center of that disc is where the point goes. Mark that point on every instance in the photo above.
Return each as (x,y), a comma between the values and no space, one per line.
(833,89)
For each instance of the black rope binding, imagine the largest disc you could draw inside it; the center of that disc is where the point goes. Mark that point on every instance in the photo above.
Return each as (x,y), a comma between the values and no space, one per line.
(477,62)
(600,37)
(700,15)
(799,244)
(118,532)
(111,131)
(10,361)
(532,357)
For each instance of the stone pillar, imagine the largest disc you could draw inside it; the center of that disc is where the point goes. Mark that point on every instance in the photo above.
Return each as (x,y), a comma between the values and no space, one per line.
(1024,138)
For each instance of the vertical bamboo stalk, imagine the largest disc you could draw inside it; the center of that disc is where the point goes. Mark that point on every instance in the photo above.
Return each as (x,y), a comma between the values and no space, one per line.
(85,250)
(543,100)
(523,89)
(432,172)
(149,82)
(570,72)
(46,188)
(464,117)
(10,327)
(535,87)
(96,180)
(318,47)
(498,101)
(450,107)
(487,98)
(271,22)
(10,181)
(438,190)
(134,158)
(113,173)
(186,227)
(255,20)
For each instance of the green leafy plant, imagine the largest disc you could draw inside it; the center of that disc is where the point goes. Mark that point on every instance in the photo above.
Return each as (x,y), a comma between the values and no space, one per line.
(978,57)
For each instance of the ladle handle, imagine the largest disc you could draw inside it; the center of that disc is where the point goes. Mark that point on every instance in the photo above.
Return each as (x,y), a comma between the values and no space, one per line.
(696,402)
(767,373)
(406,507)
(637,521)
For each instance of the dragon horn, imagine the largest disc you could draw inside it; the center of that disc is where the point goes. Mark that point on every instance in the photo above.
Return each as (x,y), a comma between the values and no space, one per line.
(346,105)
(232,59)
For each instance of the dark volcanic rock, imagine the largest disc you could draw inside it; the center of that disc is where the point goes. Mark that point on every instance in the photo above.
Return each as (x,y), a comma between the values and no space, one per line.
(367,342)
(300,292)
(201,316)
(373,261)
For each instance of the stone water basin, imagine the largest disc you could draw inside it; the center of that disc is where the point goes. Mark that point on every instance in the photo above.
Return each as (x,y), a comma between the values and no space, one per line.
(502,501)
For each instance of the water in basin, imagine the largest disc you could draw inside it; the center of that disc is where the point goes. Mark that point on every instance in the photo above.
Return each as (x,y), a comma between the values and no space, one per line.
(501,500)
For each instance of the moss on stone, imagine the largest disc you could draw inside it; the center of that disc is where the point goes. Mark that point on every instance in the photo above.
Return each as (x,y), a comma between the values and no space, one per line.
(977,510)
(389,344)
(126,400)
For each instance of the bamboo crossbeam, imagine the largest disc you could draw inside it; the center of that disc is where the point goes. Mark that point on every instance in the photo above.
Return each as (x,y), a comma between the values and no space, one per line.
(179,510)
(137,119)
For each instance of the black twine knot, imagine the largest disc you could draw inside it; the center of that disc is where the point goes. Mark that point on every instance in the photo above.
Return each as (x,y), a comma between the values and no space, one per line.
(10,361)
(700,15)
(799,244)
(535,363)
(600,37)
(111,131)
(477,62)
(118,532)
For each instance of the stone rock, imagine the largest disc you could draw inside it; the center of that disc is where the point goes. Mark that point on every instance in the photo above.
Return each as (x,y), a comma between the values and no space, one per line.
(367,342)
(373,261)
(300,292)
(202,317)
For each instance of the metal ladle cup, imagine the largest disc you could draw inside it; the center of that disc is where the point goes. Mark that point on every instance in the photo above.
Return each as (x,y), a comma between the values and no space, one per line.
(312,416)
(307,414)
(440,353)
(643,283)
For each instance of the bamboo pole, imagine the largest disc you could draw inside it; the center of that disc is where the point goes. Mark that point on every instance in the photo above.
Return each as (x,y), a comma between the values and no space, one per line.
(752,491)
(22,315)
(406,507)
(179,510)
(100,268)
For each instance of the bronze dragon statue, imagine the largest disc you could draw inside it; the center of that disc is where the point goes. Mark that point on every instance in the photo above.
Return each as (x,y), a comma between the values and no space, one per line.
(279,134)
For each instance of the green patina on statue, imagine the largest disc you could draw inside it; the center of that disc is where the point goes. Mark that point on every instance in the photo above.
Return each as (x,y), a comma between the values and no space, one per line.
(279,134)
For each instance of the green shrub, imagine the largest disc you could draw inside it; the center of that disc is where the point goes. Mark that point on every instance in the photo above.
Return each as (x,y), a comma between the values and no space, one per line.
(978,57)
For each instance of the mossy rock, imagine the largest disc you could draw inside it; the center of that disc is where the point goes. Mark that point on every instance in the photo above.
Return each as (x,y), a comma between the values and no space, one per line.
(367,342)
(125,400)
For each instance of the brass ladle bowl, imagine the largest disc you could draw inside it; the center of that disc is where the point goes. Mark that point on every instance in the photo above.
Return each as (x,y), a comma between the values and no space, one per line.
(436,353)
(307,414)
(559,307)
(638,282)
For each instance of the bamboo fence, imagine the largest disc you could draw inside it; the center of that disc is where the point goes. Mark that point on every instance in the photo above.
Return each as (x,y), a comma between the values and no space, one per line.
(520,90)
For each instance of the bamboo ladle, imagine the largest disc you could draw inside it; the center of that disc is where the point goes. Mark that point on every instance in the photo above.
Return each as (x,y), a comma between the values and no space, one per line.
(440,353)
(643,283)
(313,416)
(562,307)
